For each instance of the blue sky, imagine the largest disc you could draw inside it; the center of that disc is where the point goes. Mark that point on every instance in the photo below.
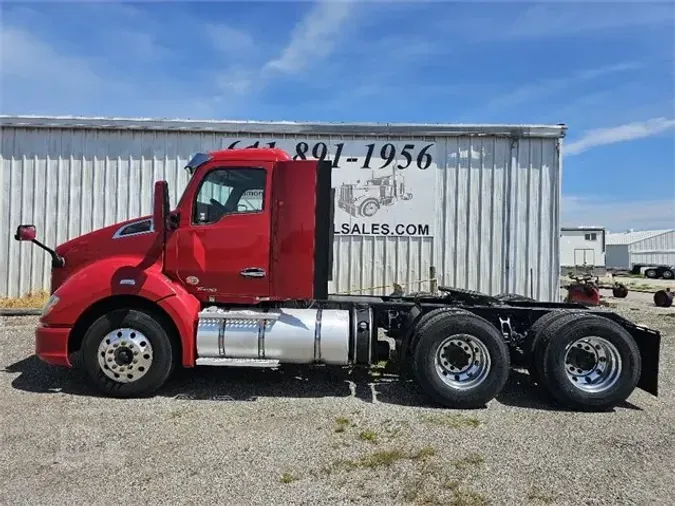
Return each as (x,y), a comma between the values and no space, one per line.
(605,69)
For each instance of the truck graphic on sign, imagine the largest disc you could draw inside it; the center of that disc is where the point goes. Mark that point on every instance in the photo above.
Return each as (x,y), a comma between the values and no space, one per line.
(366,199)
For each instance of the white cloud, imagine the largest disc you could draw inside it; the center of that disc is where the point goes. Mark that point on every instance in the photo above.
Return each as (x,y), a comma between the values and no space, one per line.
(238,49)
(618,215)
(26,57)
(236,79)
(313,38)
(37,77)
(620,133)
(143,45)
(231,42)
(547,87)
(560,19)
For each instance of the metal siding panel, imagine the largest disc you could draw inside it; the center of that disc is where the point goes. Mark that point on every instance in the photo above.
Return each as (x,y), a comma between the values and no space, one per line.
(653,258)
(471,237)
(634,237)
(658,249)
(492,211)
(27,195)
(497,231)
(40,261)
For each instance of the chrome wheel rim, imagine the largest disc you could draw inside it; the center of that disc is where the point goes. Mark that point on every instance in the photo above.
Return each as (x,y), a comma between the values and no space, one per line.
(125,355)
(462,361)
(593,364)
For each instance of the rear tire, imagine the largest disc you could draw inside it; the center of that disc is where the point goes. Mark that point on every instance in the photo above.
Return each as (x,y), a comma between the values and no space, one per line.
(407,366)
(460,359)
(651,273)
(533,348)
(128,353)
(605,370)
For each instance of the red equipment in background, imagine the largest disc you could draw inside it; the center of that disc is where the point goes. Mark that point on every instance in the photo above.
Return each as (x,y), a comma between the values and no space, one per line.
(583,290)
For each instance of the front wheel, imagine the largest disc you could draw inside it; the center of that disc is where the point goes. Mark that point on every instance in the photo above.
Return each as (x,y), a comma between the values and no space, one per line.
(460,360)
(128,353)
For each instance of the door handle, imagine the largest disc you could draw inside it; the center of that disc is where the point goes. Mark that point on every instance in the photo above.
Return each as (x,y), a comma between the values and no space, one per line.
(253,272)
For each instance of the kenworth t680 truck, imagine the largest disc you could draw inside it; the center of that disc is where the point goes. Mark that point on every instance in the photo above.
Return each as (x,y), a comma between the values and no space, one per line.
(217,283)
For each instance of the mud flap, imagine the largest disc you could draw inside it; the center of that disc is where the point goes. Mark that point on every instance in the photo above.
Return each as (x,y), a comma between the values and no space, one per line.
(649,343)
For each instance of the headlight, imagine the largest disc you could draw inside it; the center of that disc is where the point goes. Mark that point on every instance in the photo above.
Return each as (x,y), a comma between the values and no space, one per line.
(51,302)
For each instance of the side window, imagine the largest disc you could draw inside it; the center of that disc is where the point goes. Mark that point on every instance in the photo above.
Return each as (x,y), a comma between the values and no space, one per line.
(229,191)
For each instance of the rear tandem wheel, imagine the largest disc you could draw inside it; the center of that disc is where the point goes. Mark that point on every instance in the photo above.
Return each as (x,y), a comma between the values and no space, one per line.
(586,361)
(532,348)
(460,360)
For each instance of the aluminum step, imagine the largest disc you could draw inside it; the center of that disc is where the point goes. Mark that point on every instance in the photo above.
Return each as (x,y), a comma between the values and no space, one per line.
(237,314)
(237,362)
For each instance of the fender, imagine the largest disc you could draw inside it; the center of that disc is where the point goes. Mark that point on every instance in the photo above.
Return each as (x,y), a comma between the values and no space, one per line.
(183,308)
(120,275)
(126,275)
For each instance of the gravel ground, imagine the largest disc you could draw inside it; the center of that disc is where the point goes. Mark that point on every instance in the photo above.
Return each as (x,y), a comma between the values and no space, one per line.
(268,437)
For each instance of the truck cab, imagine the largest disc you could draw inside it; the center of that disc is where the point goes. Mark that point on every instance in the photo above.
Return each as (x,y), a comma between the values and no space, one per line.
(246,220)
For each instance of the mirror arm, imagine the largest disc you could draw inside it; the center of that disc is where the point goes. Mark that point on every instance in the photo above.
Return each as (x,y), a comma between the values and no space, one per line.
(57,260)
(174,219)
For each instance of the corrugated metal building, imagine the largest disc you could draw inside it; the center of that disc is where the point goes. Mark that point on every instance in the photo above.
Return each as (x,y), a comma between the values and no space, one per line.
(655,247)
(480,203)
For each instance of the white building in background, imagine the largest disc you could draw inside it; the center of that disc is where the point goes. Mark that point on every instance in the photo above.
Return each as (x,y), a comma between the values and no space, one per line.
(649,247)
(582,247)
(479,203)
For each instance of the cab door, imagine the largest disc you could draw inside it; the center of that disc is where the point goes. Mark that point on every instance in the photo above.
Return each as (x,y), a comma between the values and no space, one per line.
(221,248)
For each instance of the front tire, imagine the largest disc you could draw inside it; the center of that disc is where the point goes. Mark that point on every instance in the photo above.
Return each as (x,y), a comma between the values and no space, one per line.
(128,353)
(460,360)
(589,362)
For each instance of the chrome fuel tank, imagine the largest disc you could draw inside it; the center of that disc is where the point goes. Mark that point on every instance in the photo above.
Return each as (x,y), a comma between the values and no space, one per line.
(300,336)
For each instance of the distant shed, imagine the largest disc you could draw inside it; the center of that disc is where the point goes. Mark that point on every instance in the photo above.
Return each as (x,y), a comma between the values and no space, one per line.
(582,247)
(654,247)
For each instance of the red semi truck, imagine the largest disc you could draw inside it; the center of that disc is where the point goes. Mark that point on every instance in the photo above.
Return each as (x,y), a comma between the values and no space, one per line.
(217,283)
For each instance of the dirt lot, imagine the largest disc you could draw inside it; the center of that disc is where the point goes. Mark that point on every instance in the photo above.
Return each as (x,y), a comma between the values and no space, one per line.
(256,437)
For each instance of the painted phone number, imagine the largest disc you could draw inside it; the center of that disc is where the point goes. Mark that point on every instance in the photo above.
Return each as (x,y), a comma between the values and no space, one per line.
(377,157)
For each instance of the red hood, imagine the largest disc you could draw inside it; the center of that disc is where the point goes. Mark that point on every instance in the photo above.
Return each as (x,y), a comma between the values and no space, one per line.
(132,238)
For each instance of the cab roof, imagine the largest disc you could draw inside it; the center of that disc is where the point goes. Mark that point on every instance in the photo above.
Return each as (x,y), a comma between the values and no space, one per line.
(253,154)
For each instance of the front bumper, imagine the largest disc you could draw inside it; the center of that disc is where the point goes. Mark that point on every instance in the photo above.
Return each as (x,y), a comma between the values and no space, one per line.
(51,345)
